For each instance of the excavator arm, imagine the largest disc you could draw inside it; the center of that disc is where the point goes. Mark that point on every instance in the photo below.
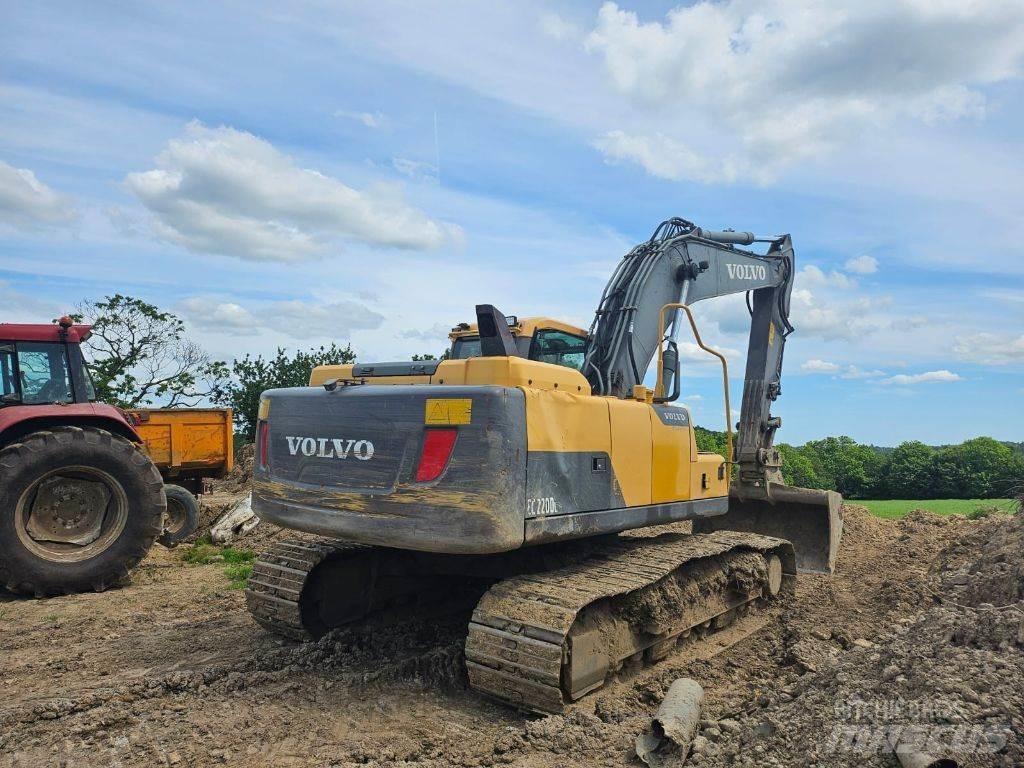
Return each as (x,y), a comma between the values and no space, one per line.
(682,263)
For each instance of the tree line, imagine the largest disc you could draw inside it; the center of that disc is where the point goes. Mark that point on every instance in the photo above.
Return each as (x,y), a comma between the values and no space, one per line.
(980,468)
(141,355)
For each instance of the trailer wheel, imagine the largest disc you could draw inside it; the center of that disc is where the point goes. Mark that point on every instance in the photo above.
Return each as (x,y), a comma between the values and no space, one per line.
(182,518)
(79,508)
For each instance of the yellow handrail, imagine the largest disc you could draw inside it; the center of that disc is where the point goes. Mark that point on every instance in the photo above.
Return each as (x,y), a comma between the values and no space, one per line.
(659,390)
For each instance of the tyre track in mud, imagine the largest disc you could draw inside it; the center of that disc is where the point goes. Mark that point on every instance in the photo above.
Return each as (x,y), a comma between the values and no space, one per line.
(431,654)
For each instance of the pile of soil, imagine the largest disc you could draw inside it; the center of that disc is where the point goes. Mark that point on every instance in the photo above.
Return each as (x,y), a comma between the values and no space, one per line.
(239,479)
(950,680)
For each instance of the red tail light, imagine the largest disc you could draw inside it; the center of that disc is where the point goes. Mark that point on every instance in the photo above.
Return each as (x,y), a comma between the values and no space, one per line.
(263,443)
(437,449)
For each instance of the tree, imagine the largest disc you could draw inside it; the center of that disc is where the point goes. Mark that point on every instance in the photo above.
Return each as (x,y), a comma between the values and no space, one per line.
(908,473)
(711,441)
(845,466)
(141,356)
(418,358)
(240,385)
(798,469)
(981,468)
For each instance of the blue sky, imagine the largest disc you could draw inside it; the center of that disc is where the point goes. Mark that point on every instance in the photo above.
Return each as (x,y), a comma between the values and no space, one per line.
(367,172)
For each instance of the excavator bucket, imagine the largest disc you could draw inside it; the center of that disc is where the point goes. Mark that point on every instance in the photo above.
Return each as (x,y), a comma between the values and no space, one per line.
(811,520)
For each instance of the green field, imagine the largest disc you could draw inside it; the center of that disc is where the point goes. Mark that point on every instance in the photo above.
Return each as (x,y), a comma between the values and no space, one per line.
(891,508)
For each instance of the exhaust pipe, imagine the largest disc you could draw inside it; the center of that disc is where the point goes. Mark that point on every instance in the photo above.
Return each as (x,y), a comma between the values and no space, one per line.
(811,520)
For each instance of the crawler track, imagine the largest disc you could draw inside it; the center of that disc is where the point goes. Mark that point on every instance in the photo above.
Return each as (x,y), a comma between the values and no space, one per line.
(278,577)
(543,636)
(541,641)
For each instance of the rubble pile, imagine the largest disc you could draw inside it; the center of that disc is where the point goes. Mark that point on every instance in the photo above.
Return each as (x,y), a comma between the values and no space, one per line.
(948,683)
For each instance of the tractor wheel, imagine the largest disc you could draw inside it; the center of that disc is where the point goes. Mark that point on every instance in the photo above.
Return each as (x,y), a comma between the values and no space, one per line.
(182,518)
(79,508)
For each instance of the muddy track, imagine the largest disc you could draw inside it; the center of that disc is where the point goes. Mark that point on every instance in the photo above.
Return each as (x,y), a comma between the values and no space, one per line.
(634,599)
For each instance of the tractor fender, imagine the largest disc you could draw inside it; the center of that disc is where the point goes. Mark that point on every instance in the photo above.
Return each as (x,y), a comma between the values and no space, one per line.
(16,421)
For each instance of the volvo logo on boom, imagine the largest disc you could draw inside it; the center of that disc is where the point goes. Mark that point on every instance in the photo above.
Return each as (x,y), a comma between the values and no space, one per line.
(329,447)
(747,271)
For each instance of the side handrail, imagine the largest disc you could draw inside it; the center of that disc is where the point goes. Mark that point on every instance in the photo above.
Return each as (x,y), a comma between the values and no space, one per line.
(659,390)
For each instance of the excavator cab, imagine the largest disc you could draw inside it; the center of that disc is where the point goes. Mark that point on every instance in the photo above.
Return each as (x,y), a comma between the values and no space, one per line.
(536,338)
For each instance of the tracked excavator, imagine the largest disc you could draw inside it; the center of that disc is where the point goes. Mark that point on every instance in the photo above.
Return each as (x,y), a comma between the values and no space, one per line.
(510,477)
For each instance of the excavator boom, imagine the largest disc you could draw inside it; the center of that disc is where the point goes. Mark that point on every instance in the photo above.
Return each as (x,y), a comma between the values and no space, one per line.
(684,264)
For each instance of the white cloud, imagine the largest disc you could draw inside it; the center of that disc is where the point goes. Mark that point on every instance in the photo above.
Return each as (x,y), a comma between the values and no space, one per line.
(665,157)
(862,265)
(214,315)
(990,348)
(904,379)
(219,190)
(829,316)
(368,119)
(819,366)
(27,203)
(436,332)
(691,353)
(1005,296)
(299,319)
(853,372)
(814,277)
(24,308)
(784,80)
(414,169)
(557,28)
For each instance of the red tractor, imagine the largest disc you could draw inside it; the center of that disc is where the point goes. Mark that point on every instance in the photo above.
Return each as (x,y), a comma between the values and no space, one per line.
(81,503)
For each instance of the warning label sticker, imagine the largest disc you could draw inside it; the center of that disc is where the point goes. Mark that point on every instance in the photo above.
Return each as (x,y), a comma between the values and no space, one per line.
(448,411)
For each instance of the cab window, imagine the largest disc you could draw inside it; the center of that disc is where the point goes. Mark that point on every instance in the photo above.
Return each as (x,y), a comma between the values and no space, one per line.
(466,347)
(43,369)
(8,384)
(558,347)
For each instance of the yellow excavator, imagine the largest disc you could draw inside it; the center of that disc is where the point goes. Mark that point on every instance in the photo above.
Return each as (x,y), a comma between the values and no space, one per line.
(502,477)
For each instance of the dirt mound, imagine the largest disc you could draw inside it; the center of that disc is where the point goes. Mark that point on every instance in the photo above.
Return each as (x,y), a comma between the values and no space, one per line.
(994,571)
(239,479)
(952,679)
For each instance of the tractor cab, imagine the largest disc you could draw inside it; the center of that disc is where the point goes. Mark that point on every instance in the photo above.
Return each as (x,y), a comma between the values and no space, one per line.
(43,365)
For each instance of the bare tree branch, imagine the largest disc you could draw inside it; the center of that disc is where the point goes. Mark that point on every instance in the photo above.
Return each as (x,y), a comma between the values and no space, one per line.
(141,356)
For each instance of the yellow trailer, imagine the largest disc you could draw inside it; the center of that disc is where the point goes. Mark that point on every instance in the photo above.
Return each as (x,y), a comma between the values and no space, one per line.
(187,445)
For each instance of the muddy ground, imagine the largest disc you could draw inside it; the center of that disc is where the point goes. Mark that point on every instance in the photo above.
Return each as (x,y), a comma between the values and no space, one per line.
(171,671)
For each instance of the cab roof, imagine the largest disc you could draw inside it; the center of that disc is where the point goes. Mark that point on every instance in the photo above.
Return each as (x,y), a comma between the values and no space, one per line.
(523,326)
(43,332)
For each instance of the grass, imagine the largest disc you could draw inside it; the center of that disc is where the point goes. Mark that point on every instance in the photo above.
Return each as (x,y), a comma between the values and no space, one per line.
(895,508)
(238,574)
(238,561)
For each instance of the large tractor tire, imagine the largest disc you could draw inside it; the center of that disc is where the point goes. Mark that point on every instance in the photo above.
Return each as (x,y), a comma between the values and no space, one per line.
(79,508)
(182,519)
